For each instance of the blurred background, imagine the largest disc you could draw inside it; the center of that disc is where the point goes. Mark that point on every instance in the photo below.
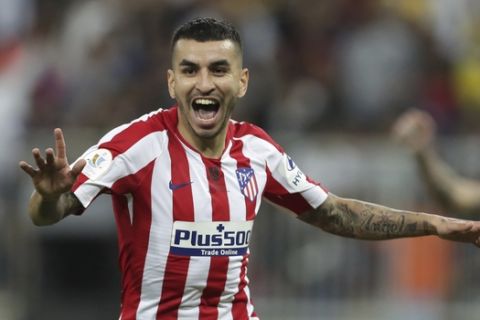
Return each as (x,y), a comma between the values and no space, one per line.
(328,78)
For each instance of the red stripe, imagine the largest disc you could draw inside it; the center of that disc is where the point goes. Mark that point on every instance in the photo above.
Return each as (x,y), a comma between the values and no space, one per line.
(277,194)
(124,139)
(239,309)
(243,162)
(217,274)
(177,266)
(135,132)
(273,190)
(240,301)
(133,237)
(80,180)
(217,277)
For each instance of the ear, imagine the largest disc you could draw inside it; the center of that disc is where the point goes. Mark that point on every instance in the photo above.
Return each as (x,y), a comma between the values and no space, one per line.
(171,83)
(243,82)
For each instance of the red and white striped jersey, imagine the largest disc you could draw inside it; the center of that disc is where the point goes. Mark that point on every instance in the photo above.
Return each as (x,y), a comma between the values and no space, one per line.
(184,221)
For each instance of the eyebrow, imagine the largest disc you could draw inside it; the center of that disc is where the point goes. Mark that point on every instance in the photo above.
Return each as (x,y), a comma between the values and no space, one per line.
(218,63)
(187,63)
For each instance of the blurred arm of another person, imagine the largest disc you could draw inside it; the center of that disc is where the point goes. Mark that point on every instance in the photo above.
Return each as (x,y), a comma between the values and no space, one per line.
(416,130)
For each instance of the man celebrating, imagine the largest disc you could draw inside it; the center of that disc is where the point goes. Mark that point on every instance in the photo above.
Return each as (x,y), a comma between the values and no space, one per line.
(187,184)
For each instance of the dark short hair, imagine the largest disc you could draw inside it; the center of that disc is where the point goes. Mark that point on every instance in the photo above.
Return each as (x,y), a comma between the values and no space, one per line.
(206,29)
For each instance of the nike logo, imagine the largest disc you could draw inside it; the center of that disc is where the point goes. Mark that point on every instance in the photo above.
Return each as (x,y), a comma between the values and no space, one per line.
(176,186)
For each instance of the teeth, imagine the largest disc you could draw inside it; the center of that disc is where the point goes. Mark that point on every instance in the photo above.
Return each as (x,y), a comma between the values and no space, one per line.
(204,101)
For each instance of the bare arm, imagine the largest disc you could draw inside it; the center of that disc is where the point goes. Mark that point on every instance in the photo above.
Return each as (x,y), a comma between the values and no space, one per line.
(362,220)
(53,178)
(454,192)
(416,130)
(49,211)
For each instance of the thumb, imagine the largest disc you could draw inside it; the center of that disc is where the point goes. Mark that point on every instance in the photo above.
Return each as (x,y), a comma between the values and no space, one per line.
(78,167)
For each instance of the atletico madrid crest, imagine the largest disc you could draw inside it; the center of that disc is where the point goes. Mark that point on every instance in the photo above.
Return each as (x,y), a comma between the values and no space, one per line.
(247,182)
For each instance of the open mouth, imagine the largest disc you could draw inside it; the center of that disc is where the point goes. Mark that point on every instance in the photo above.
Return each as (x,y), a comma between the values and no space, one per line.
(205,108)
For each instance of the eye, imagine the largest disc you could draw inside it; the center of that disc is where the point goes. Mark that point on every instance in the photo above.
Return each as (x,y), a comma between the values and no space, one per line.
(189,71)
(219,70)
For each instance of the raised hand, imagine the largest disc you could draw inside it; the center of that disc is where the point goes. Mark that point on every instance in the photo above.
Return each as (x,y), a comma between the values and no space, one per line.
(53,177)
(415,129)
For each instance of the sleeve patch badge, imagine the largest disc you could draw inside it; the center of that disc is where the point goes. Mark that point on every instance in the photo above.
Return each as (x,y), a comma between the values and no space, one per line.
(98,163)
(295,177)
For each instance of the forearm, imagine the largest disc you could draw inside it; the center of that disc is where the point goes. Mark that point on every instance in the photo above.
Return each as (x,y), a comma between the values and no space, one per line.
(362,220)
(50,211)
(451,190)
(440,179)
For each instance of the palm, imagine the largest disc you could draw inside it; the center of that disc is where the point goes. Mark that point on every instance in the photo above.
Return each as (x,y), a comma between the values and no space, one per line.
(415,129)
(53,176)
(56,180)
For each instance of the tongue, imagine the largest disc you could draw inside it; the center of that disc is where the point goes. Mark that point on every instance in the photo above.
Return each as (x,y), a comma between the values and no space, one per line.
(206,114)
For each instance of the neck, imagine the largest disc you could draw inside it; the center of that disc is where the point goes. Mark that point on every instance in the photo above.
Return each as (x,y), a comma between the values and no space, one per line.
(209,147)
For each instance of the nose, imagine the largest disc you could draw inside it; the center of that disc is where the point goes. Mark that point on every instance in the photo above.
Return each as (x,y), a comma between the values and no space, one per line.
(205,82)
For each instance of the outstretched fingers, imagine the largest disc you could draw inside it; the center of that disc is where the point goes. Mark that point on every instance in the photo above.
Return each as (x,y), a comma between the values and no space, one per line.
(27,168)
(41,163)
(77,168)
(60,146)
(50,157)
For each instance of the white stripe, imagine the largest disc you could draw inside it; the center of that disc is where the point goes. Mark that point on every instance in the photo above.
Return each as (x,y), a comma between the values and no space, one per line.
(247,292)
(86,193)
(251,190)
(315,196)
(236,200)
(238,212)
(129,162)
(159,239)
(130,207)
(255,185)
(89,193)
(112,133)
(199,266)
(254,149)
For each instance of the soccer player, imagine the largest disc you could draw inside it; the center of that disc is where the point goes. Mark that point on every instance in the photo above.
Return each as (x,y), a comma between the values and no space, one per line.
(187,183)
(416,130)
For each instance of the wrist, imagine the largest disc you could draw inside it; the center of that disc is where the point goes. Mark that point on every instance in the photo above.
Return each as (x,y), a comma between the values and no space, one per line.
(433,225)
(52,198)
(425,155)
(425,150)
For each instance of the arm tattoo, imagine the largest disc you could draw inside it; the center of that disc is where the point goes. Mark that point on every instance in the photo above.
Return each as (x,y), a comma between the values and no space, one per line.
(357,219)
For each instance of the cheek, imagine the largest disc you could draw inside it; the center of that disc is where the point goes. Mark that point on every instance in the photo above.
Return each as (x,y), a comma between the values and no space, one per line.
(230,86)
(184,86)
(180,89)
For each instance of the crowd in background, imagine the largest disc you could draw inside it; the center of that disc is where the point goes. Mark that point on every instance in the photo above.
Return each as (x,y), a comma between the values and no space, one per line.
(315,67)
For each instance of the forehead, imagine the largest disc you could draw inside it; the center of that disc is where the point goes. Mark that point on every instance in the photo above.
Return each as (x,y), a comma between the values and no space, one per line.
(205,52)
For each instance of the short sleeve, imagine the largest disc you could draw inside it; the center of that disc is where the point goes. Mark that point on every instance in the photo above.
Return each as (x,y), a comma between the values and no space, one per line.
(101,171)
(288,187)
